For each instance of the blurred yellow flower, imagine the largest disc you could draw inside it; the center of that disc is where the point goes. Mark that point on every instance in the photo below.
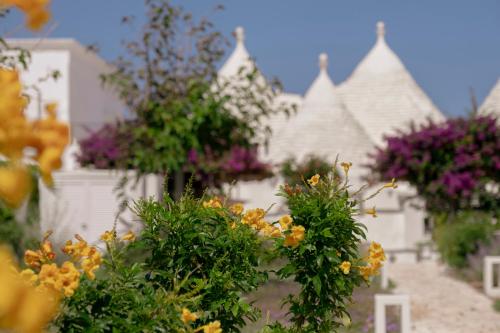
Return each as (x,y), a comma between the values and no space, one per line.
(392,184)
(212,203)
(314,180)
(23,307)
(187,316)
(37,14)
(213,327)
(129,236)
(108,236)
(15,184)
(236,209)
(285,221)
(295,237)
(346,166)
(372,211)
(345,267)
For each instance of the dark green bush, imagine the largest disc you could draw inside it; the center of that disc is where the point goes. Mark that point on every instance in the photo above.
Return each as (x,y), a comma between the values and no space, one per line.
(185,239)
(295,172)
(461,235)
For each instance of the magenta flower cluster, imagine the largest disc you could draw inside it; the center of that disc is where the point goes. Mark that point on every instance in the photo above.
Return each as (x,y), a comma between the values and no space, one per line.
(107,147)
(454,164)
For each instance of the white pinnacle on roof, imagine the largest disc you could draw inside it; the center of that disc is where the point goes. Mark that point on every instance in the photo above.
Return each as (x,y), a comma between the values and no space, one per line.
(491,104)
(382,95)
(322,126)
(239,58)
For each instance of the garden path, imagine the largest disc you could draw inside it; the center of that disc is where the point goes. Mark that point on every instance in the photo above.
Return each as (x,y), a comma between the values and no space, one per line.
(441,304)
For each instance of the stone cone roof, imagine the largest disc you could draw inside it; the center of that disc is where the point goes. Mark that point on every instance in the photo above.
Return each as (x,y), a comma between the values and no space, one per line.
(382,95)
(491,104)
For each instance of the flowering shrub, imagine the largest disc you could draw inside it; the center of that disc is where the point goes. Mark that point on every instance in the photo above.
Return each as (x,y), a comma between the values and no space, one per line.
(203,242)
(294,172)
(109,147)
(322,248)
(454,165)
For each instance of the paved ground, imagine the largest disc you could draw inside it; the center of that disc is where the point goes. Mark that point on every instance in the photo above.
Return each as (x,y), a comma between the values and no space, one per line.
(441,304)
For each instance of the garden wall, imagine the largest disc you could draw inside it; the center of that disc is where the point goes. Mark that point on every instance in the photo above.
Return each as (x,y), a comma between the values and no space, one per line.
(85,202)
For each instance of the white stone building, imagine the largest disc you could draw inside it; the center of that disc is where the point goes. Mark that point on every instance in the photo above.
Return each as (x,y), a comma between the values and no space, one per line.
(491,104)
(82,100)
(348,119)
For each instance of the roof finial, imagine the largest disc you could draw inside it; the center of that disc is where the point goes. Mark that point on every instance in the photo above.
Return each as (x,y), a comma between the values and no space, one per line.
(239,33)
(380,29)
(323,61)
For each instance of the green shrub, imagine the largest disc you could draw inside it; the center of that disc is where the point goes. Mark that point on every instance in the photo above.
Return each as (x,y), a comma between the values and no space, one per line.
(496,305)
(295,172)
(326,211)
(189,238)
(461,235)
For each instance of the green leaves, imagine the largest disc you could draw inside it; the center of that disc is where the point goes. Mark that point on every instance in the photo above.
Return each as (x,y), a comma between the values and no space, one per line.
(187,240)
(332,236)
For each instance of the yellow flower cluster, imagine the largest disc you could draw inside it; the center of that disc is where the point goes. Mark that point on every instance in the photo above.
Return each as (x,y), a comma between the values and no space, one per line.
(295,237)
(47,136)
(236,209)
(64,279)
(37,14)
(87,256)
(314,180)
(346,166)
(376,256)
(24,307)
(212,203)
(110,235)
(188,317)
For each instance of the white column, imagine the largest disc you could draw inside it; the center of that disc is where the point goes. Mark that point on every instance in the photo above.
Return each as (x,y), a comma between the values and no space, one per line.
(488,276)
(384,276)
(382,301)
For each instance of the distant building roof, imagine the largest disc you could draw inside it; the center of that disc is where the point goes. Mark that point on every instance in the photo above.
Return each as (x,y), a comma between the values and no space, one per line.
(382,95)
(491,104)
(322,126)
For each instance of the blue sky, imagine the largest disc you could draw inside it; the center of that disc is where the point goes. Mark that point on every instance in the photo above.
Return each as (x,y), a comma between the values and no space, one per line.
(448,45)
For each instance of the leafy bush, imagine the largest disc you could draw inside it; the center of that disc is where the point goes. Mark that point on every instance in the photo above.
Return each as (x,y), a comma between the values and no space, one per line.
(454,165)
(294,172)
(203,242)
(462,236)
(326,263)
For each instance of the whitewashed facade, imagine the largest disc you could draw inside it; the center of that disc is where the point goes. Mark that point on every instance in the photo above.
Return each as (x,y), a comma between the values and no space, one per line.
(348,119)
(82,100)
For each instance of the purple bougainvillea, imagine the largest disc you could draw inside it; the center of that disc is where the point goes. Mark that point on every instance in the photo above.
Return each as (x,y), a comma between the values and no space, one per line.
(453,164)
(107,147)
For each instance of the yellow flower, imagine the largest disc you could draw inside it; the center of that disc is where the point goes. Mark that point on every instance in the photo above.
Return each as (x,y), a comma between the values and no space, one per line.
(392,184)
(15,184)
(49,276)
(23,307)
(253,215)
(33,258)
(187,316)
(371,212)
(212,203)
(345,267)
(314,180)
(129,236)
(69,278)
(275,232)
(295,237)
(29,276)
(285,221)
(346,166)
(366,271)
(108,236)
(236,209)
(213,327)
(36,11)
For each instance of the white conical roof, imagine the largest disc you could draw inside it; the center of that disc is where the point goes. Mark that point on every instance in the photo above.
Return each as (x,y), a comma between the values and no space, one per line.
(240,58)
(382,95)
(322,126)
(491,104)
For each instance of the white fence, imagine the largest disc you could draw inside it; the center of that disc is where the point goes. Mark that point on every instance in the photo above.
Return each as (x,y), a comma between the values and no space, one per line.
(85,202)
